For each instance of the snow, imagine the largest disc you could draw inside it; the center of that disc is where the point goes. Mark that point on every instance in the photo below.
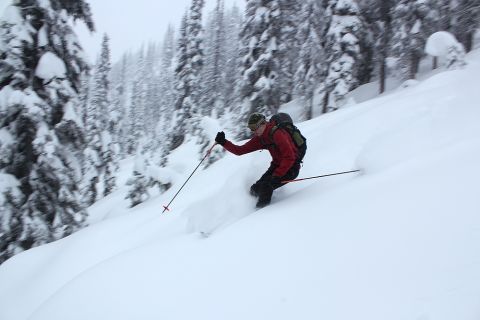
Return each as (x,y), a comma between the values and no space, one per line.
(210,126)
(438,43)
(10,14)
(5,137)
(70,113)
(42,37)
(7,181)
(416,27)
(50,66)
(398,241)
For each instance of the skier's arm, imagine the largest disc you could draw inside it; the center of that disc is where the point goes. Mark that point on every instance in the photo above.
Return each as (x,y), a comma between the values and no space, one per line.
(251,145)
(288,151)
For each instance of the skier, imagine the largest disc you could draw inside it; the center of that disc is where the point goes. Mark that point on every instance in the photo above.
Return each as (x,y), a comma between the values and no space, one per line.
(285,163)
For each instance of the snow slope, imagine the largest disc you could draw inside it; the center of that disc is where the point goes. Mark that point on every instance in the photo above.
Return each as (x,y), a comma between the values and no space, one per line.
(400,241)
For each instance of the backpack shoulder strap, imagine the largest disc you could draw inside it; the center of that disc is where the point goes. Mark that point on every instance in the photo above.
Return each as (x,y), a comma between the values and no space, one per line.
(272,131)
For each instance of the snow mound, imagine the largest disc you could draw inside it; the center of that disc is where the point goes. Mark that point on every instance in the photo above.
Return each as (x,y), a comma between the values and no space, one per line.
(439,43)
(50,66)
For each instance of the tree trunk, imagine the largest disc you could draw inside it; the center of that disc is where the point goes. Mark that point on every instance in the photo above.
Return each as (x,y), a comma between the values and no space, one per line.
(413,65)
(435,63)
(469,42)
(325,102)
(309,114)
(382,75)
(386,18)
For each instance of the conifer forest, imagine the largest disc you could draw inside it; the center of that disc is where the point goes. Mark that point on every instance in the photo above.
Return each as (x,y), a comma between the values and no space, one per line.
(66,124)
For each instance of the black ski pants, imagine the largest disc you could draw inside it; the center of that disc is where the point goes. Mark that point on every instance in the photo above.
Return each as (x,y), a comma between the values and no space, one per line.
(263,188)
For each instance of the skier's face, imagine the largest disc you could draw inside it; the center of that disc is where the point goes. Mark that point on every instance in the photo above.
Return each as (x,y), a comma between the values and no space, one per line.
(261,128)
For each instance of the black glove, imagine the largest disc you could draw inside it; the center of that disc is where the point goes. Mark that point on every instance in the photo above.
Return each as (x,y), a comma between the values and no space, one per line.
(220,138)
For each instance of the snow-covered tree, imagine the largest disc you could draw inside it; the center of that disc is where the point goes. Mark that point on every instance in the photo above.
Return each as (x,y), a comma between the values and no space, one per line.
(232,59)
(288,24)
(345,38)
(100,154)
(195,52)
(182,111)
(118,118)
(40,74)
(260,86)
(443,44)
(467,21)
(190,60)
(412,22)
(214,72)
(167,99)
(378,15)
(136,110)
(311,59)
(139,184)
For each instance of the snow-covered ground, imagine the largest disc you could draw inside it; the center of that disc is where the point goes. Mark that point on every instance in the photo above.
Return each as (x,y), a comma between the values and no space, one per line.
(399,241)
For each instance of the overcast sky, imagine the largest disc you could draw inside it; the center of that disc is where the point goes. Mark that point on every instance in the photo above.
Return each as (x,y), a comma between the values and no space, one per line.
(131,23)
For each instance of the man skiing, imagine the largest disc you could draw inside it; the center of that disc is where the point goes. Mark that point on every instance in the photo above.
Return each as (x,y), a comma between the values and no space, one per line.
(285,163)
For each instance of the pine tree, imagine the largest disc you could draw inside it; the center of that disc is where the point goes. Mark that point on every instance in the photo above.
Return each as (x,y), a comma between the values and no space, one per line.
(311,59)
(214,71)
(150,78)
(195,52)
(100,154)
(41,65)
(345,38)
(467,16)
(232,60)
(136,112)
(182,104)
(190,60)
(260,87)
(378,14)
(119,98)
(167,98)
(412,23)
(288,53)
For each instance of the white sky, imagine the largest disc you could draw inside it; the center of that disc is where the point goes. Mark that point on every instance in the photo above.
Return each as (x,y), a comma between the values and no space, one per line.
(131,23)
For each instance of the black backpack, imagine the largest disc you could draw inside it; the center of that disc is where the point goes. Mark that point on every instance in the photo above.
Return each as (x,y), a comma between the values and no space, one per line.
(284,121)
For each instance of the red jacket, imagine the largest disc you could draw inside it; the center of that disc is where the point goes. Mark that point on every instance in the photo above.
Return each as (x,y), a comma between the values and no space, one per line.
(282,149)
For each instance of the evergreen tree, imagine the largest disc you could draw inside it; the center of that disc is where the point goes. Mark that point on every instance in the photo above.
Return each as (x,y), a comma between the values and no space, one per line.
(190,60)
(152,96)
(41,65)
(195,52)
(311,60)
(260,87)
(345,38)
(214,71)
(232,60)
(167,98)
(288,53)
(467,17)
(100,154)
(182,91)
(379,17)
(118,118)
(136,112)
(412,23)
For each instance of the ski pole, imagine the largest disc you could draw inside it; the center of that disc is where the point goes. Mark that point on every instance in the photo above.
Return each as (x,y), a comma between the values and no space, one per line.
(166,208)
(325,175)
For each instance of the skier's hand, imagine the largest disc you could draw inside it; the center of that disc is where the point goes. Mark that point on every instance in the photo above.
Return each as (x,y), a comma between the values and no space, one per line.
(220,138)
